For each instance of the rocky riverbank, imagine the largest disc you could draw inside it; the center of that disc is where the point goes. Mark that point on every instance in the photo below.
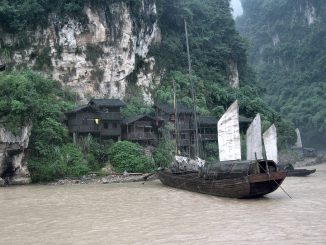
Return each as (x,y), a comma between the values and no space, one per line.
(109,179)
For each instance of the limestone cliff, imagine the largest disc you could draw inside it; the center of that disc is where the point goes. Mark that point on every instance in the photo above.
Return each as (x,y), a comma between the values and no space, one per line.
(97,57)
(13,165)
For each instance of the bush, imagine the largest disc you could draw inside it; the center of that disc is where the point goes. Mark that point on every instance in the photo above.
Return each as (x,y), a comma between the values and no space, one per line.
(64,161)
(128,156)
(95,153)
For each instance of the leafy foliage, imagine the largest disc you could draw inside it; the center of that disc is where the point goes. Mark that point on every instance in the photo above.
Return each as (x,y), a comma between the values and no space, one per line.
(214,42)
(128,156)
(63,161)
(288,52)
(27,97)
(166,150)
(17,15)
(96,153)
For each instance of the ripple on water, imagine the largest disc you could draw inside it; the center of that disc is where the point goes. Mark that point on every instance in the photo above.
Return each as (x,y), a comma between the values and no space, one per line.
(150,213)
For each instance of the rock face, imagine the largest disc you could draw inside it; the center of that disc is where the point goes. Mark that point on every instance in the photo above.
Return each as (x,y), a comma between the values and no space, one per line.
(13,165)
(270,142)
(298,143)
(229,134)
(97,58)
(234,75)
(254,140)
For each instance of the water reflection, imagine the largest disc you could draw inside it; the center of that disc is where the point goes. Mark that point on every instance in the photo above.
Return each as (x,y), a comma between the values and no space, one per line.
(150,213)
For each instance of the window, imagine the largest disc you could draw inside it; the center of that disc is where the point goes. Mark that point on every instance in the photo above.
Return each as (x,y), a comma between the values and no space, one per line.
(147,129)
(105,125)
(114,125)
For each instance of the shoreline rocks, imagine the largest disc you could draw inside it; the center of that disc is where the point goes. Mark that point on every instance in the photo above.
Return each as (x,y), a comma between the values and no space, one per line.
(109,179)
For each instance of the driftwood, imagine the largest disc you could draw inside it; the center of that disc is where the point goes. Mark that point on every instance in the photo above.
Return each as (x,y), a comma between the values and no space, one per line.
(145,178)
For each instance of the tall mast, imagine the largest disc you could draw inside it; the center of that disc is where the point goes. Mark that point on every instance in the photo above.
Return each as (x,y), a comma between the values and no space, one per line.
(192,92)
(175,118)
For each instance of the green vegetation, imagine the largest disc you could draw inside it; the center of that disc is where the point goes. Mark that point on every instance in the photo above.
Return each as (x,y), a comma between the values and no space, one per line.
(128,156)
(288,52)
(27,97)
(18,16)
(166,150)
(214,43)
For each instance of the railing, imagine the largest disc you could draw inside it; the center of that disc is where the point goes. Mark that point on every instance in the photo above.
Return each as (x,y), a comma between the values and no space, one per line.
(141,136)
(110,115)
(184,142)
(208,136)
(95,129)
(185,126)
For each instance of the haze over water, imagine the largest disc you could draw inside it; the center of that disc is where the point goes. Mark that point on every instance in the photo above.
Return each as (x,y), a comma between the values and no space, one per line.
(150,213)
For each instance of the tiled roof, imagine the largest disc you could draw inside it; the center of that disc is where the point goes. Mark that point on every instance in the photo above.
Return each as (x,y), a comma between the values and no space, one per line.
(167,108)
(77,109)
(136,118)
(207,120)
(107,102)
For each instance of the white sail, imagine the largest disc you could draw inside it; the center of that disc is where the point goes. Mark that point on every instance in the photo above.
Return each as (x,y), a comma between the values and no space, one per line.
(254,140)
(270,142)
(229,134)
(299,142)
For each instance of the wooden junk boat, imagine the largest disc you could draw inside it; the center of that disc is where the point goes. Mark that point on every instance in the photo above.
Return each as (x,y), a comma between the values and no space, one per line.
(228,177)
(238,179)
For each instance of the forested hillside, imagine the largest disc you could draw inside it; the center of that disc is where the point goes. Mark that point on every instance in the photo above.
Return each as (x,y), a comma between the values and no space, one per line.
(214,44)
(288,51)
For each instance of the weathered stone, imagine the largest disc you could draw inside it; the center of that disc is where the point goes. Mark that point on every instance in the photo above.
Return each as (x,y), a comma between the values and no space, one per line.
(270,142)
(22,138)
(298,143)
(234,75)
(120,43)
(229,134)
(12,155)
(254,140)
(20,181)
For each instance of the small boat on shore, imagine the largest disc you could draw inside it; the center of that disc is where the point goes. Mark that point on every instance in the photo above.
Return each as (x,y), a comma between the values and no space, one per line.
(293,172)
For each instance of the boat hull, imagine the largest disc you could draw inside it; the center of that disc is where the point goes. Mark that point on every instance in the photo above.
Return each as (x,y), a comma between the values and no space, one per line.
(243,187)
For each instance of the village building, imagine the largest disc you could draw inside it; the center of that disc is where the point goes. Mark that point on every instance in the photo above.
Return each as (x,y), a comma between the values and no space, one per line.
(184,124)
(100,117)
(207,128)
(142,129)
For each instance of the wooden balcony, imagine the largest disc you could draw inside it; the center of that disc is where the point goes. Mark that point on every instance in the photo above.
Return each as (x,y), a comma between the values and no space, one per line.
(208,137)
(110,116)
(141,136)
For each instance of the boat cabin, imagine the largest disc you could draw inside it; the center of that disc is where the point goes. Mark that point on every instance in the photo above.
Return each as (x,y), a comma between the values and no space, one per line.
(235,169)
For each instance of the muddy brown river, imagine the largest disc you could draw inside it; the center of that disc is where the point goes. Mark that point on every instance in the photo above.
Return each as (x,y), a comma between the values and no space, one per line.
(151,213)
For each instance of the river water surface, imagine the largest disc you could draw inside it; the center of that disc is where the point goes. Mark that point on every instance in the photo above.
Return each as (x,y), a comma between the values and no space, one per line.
(151,213)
